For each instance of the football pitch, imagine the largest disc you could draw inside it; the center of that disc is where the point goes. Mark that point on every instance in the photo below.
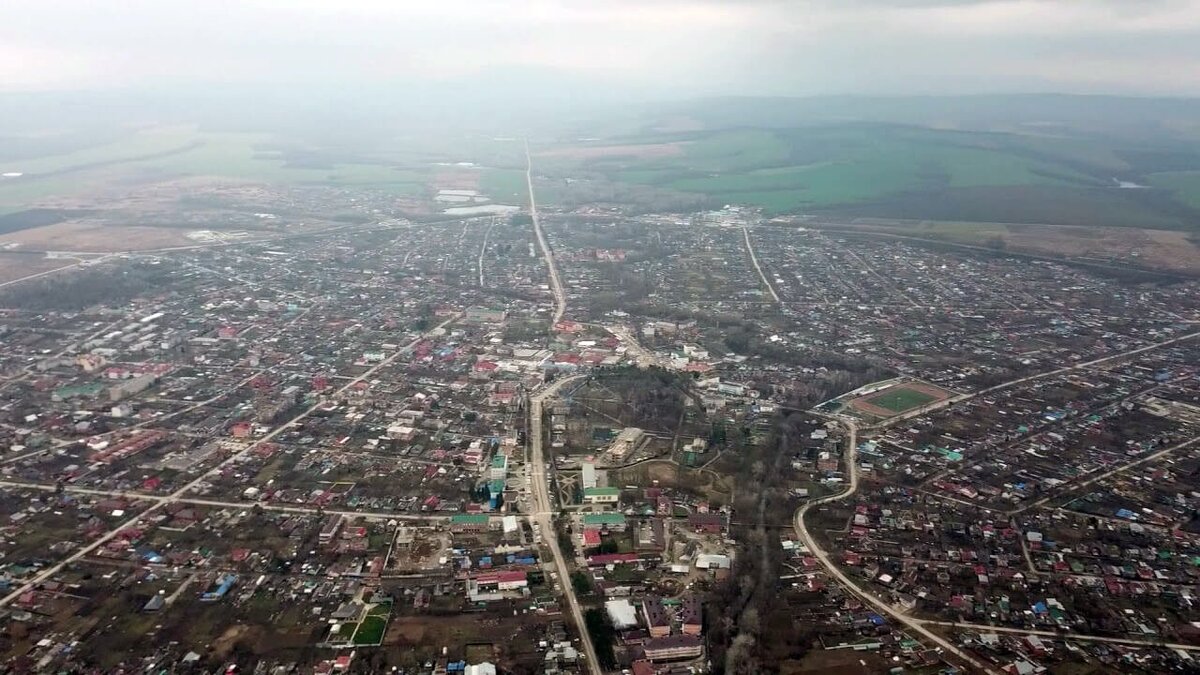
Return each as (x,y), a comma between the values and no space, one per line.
(901,399)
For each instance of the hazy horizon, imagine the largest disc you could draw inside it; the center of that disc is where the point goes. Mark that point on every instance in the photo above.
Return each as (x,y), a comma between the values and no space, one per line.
(667,49)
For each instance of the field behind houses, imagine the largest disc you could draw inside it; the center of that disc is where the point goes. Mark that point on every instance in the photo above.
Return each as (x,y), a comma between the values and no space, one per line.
(910,172)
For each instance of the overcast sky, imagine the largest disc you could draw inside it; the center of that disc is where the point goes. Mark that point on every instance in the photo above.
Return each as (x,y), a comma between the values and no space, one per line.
(777,47)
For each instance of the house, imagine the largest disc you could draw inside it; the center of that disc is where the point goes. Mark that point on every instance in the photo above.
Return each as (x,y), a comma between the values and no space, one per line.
(691,616)
(224,583)
(674,648)
(655,615)
(607,559)
(709,523)
(329,529)
(497,585)
(401,432)
(485,368)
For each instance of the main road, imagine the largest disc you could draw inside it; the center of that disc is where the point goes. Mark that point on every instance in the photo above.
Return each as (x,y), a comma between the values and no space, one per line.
(754,262)
(544,515)
(560,297)
(644,357)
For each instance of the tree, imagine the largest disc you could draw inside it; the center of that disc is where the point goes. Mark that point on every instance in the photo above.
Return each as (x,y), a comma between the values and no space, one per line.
(581,582)
(603,636)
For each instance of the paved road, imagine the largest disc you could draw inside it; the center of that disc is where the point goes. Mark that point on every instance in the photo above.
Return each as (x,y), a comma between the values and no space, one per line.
(38,275)
(1122,468)
(917,625)
(644,357)
(224,504)
(960,398)
(483,249)
(984,628)
(182,492)
(560,297)
(544,515)
(754,262)
(95,257)
(910,623)
(1079,366)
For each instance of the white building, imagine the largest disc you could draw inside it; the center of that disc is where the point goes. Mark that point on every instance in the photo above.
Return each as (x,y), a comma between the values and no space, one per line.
(622,613)
(712,561)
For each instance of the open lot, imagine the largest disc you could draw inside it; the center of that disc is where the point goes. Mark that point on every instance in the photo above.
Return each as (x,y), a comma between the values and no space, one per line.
(18,265)
(95,237)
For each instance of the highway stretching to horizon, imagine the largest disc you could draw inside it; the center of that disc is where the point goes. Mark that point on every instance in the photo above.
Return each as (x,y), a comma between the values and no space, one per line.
(539,473)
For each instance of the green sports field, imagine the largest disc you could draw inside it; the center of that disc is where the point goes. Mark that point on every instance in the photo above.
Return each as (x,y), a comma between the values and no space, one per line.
(900,399)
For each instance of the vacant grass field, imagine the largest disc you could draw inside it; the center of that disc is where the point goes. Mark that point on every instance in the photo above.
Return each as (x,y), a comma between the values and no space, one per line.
(370,631)
(505,185)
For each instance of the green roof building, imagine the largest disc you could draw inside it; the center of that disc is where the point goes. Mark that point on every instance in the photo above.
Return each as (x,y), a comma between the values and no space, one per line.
(601,495)
(603,519)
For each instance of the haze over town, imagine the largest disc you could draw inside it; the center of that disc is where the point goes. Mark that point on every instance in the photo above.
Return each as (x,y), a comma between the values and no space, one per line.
(651,338)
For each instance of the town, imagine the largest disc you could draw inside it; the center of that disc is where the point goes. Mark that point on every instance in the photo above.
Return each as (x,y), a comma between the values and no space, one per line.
(588,440)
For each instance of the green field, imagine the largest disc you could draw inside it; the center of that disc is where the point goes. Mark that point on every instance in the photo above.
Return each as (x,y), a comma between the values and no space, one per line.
(1185,185)
(132,147)
(762,168)
(736,150)
(505,185)
(900,399)
(185,152)
(918,173)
